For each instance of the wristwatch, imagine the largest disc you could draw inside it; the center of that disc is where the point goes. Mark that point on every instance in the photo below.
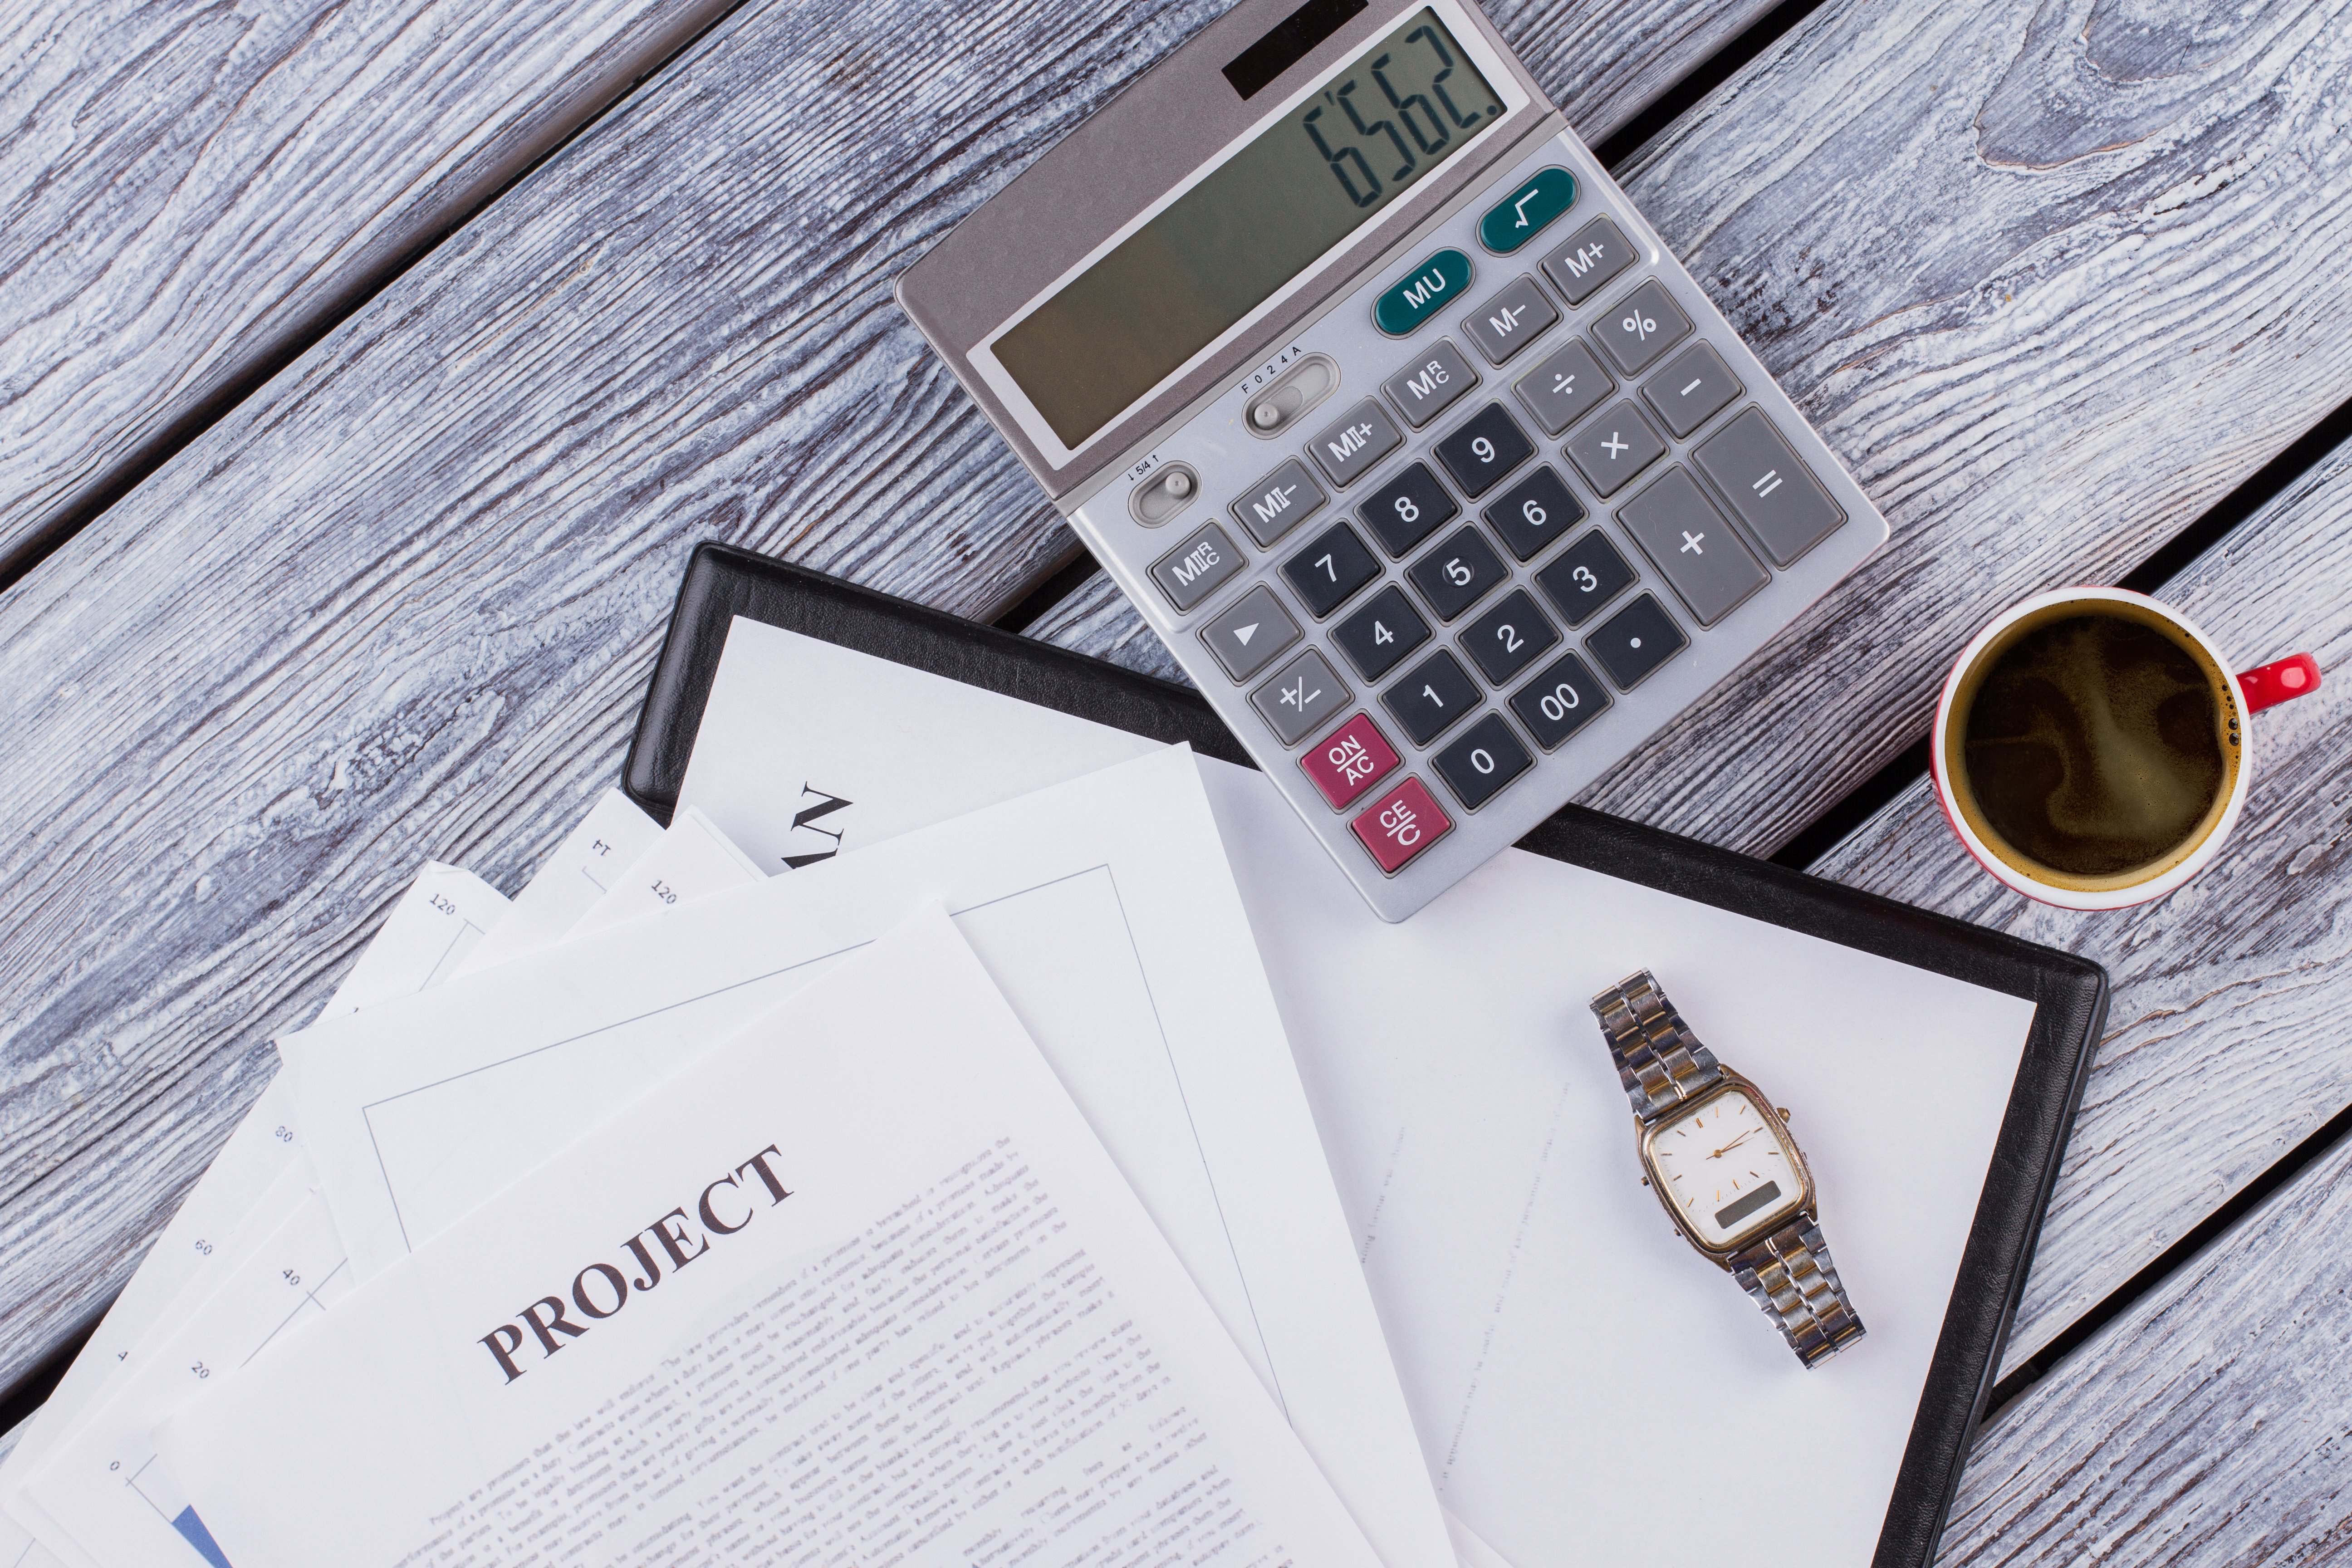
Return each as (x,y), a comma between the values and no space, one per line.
(1721,1160)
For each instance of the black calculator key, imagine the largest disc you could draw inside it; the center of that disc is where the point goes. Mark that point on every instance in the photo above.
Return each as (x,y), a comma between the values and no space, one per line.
(1334,564)
(1635,641)
(1483,760)
(1561,700)
(1535,514)
(1509,637)
(1436,693)
(1480,453)
(1588,575)
(1457,573)
(1376,636)
(1409,509)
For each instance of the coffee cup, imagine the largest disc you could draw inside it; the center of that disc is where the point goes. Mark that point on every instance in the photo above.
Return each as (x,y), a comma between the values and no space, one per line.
(2093,750)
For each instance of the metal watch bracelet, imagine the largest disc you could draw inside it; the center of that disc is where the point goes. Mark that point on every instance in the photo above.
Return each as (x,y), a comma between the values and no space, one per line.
(1787,1272)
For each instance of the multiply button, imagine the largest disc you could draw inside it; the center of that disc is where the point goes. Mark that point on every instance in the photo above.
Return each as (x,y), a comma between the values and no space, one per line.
(1363,435)
(1247,637)
(1401,824)
(1692,545)
(1349,761)
(1203,562)
(1427,387)
(1615,447)
(1510,321)
(1306,692)
(1642,326)
(1279,503)
(1592,256)
(1482,761)
(1774,493)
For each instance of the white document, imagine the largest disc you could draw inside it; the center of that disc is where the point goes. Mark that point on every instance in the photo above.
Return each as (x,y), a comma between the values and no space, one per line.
(886,1299)
(587,865)
(1559,1342)
(689,859)
(101,1498)
(230,1208)
(1105,911)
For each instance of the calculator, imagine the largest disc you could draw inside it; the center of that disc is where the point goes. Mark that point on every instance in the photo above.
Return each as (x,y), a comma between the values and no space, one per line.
(1436,472)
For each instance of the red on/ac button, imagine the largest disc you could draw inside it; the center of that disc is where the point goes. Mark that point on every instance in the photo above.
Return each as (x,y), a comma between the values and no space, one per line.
(1401,824)
(1349,761)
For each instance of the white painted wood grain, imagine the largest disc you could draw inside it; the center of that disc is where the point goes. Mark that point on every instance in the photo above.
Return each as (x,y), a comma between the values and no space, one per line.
(404,601)
(2210,1426)
(189,192)
(2227,1035)
(2052,275)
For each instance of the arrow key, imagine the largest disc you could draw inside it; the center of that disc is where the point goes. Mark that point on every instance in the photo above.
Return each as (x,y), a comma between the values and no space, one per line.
(1248,637)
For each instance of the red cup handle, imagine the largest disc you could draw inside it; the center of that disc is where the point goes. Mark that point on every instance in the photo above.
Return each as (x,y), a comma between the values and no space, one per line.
(2274,683)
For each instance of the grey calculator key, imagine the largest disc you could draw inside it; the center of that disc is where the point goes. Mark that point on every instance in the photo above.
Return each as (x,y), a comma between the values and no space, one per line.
(1636,640)
(1611,449)
(1509,637)
(1678,528)
(1487,757)
(1584,577)
(1694,386)
(1457,573)
(1364,435)
(1561,700)
(1774,494)
(1279,503)
(1483,449)
(1408,509)
(1592,256)
(1423,389)
(1248,637)
(1433,696)
(1510,321)
(1329,568)
(1567,385)
(1536,514)
(1202,561)
(1306,692)
(1639,328)
(1376,638)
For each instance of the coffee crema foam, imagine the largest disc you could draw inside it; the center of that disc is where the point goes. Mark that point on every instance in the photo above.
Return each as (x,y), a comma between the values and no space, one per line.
(2094,746)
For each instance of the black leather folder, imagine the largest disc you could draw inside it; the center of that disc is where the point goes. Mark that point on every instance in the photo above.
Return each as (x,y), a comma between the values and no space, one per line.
(2069,994)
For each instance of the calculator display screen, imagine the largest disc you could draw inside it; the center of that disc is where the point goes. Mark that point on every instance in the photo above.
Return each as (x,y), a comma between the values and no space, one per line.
(1214,254)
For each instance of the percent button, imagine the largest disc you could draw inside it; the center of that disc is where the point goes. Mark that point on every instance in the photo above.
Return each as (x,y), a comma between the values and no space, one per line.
(1639,327)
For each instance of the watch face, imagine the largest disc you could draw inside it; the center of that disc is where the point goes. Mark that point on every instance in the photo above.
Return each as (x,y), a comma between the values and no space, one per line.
(1726,1168)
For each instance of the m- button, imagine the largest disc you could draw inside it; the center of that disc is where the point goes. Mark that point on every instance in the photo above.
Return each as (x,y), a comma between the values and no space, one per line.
(1427,387)
(1279,503)
(1510,321)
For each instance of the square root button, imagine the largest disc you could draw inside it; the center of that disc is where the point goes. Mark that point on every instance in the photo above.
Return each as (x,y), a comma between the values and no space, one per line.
(1349,761)
(1401,824)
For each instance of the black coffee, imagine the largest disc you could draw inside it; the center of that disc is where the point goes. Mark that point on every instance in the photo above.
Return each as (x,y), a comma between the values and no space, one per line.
(2092,745)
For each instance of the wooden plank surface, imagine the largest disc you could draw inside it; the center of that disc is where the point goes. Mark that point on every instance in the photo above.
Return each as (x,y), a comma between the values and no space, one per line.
(402,602)
(2052,275)
(2208,1427)
(189,192)
(2225,1044)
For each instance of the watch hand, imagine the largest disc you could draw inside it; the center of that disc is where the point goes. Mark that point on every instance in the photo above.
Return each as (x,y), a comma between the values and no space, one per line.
(1735,1143)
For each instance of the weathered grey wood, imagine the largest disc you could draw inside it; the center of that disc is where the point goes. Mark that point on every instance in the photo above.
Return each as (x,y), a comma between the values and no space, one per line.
(404,601)
(2053,276)
(2225,1043)
(2210,1426)
(188,193)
